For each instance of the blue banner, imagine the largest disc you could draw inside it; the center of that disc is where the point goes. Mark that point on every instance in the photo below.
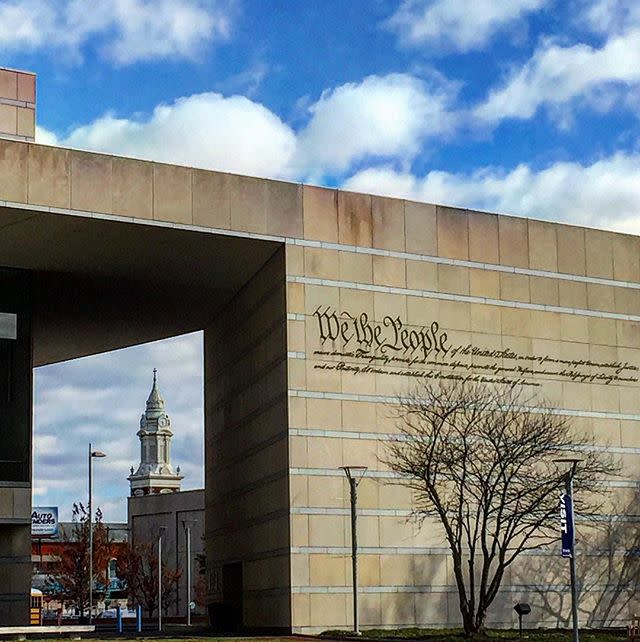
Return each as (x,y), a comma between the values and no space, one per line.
(566,525)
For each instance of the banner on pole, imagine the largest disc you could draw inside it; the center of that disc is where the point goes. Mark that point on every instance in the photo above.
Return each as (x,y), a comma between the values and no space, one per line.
(566,525)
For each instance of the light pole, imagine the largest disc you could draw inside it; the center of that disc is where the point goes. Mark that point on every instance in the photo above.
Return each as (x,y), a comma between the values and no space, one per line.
(570,474)
(92,454)
(354,475)
(160,533)
(187,529)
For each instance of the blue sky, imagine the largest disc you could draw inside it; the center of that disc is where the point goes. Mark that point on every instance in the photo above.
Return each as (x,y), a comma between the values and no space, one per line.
(528,107)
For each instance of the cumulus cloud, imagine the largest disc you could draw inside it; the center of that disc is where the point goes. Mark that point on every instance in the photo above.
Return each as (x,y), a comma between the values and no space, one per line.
(455,25)
(381,116)
(99,399)
(124,31)
(205,130)
(605,194)
(556,75)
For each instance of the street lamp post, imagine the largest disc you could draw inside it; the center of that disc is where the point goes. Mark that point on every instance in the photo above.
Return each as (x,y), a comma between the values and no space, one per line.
(571,525)
(92,454)
(160,533)
(354,475)
(187,528)
(188,575)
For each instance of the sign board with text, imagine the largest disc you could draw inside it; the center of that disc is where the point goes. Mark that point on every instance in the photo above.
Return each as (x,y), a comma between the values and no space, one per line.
(44,522)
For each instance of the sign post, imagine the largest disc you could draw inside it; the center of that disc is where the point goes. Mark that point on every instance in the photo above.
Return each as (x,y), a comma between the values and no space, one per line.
(567,525)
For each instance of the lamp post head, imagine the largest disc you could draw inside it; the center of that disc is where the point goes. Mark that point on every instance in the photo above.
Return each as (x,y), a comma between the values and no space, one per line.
(354,472)
(97,453)
(572,460)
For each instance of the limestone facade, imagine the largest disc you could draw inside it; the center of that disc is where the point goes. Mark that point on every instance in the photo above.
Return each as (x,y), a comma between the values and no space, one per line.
(513,296)
(287,402)
(17,104)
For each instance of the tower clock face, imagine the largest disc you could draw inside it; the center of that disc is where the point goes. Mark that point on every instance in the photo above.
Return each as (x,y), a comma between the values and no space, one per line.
(162,422)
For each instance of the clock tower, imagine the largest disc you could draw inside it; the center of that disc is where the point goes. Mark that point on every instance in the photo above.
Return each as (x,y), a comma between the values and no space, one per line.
(155,473)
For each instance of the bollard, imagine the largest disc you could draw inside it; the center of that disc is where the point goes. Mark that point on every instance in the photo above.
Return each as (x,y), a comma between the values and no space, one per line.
(119,618)
(139,618)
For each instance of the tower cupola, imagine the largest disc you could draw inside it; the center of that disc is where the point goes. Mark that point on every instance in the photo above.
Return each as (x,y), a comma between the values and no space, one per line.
(155,473)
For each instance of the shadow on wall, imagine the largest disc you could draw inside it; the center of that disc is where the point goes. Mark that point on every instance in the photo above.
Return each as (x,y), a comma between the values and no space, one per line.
(608,571)
(414,587)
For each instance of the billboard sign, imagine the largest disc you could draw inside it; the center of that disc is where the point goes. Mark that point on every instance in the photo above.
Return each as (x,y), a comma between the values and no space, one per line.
(566,525)
(44,522)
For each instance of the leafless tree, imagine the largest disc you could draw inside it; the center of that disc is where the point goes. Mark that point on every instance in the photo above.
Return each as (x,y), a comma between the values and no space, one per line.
(482,460)
(139,569)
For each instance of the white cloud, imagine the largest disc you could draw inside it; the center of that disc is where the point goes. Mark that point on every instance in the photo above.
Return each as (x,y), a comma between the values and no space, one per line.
(556,75)
(387,117)
(124,31)
(46,137)
(605,194)
(384,116)
(205,130)
(456,25)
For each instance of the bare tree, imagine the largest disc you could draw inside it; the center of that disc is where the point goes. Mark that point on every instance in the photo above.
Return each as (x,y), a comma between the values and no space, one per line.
(139,569)
(481,459)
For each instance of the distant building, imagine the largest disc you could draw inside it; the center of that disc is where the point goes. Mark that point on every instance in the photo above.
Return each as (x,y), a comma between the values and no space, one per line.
(155,473)
(47,551)
(157,505)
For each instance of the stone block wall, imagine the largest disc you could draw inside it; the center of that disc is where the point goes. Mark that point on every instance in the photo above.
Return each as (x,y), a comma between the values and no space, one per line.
(17,105)
(247,490)
(506,293)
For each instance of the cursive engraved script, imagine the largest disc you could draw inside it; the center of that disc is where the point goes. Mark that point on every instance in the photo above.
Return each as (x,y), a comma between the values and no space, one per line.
(389,336)
(360,345)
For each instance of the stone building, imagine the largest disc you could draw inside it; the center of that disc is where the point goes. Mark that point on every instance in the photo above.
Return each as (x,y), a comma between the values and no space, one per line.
(155,473)
(89,240)
(45,558)
(157,507)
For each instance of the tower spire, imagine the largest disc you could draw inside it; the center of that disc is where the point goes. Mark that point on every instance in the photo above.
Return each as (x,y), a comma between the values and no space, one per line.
(155,473)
